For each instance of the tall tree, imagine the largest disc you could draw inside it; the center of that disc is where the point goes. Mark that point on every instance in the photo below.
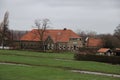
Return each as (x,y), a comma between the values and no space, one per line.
(4,31)
(110,41)
(41,26)
(117,32)
(1,25)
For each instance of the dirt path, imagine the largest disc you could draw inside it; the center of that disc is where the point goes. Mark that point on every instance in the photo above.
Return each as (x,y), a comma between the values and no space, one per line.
(95,73)
(13,64)
(75,71)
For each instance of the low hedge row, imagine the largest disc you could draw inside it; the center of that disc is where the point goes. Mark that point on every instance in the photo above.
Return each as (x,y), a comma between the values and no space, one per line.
(98,58)
(87,50)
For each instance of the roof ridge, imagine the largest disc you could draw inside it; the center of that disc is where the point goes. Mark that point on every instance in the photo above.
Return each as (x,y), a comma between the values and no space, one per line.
(56,29)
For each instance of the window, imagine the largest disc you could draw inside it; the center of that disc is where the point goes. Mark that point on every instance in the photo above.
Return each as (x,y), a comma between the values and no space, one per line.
(80,39)
(74,42)
(75,39)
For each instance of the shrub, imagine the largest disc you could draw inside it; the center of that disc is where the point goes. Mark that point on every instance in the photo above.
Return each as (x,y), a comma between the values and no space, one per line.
(86,50)
(98,58)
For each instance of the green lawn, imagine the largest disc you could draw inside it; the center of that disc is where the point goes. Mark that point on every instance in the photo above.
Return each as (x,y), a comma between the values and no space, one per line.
(82,65)
(47,66)
(10,72)
(66,55)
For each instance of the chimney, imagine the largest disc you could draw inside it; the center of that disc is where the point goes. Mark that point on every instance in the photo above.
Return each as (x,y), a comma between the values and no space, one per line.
(65,29)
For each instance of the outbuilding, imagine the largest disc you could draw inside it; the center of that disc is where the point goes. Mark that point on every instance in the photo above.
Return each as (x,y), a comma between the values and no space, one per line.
(105,51)
(117,51)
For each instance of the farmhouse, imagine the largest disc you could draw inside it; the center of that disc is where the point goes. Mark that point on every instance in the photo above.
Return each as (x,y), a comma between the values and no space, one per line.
(64,39)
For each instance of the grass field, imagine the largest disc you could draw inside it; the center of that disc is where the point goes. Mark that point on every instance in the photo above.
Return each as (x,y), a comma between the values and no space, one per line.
(50,66)
(10,72)
(66,55)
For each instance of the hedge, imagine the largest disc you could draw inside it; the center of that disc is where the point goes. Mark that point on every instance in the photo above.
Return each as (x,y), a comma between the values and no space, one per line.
(98,58)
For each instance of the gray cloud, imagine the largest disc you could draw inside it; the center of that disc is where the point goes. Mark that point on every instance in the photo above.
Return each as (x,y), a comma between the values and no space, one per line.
(81,3)
(95,15)
(1,8)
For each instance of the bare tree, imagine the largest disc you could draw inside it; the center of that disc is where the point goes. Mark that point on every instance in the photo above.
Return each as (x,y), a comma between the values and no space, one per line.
(117,32)
(41,26)
(110,41)
(81,33)
(1,25)
(4,31)
(91,33)
(86,33)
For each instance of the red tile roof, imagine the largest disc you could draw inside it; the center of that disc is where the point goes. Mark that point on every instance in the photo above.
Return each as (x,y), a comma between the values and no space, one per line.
(94,42)
(103,50)
(56,35)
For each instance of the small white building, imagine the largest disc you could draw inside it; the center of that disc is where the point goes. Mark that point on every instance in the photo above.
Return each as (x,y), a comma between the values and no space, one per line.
(105,51)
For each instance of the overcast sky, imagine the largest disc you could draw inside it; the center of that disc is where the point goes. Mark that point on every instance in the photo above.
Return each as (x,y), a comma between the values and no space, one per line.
(101,16)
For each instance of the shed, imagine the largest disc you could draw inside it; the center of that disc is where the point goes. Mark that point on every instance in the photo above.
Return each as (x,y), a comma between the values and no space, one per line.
(105,51)
(117,51)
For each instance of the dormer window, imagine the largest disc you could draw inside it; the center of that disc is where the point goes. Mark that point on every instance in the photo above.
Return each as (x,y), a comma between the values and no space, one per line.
(75,39)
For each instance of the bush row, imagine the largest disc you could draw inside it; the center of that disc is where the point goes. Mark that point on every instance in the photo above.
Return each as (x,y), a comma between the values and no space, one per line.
(87,50)
(98,58)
